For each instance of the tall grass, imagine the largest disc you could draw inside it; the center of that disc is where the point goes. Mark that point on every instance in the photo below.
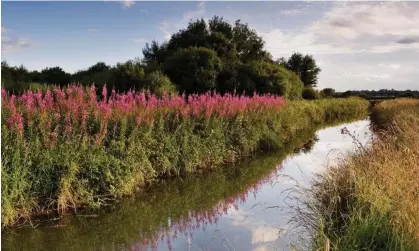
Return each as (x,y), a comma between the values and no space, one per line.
(370,201)
(67,148)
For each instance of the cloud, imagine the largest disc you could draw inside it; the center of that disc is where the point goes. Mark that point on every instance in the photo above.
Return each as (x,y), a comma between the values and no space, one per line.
(166,29)
(292,12)
(408,40)
(349,28)
(127,3)
(10,45)
(169,28)
(390,66)
(139,40)
(264,234)
(194,14)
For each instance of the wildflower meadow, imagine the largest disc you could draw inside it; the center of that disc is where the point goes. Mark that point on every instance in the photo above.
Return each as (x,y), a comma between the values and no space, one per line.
(71,147)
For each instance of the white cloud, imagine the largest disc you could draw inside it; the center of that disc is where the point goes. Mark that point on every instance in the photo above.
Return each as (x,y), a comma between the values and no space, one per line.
(4,29)
(127,3)
(292,12)
(356,44)
(166,29)
(390,66)
(349,28)
(139,40)
(10,45)
(264,234)
(169,28)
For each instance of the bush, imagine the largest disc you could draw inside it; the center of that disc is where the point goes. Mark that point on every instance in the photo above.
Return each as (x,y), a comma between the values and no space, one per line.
(267,77)
(309,93)
(327,92)
(158,83)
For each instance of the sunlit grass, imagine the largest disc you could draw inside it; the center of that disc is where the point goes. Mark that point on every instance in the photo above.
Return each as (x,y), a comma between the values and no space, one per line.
(371,200)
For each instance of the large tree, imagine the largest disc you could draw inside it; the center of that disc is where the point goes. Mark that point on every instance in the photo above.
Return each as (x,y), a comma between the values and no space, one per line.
(193,69)
(221,56)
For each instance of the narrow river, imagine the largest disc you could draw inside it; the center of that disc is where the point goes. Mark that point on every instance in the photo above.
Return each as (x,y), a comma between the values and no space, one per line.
(242,207)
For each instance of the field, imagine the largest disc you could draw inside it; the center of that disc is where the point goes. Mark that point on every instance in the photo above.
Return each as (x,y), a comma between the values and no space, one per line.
(371,200)
(71,148)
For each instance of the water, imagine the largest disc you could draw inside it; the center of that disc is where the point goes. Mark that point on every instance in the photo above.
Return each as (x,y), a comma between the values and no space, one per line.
(241,207)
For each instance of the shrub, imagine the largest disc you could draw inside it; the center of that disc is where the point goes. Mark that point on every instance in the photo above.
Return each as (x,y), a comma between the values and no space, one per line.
(309,93)
(158,83)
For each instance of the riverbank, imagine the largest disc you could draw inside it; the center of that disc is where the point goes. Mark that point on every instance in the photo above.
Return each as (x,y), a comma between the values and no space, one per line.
(68,148)
(247,205)
(370,201)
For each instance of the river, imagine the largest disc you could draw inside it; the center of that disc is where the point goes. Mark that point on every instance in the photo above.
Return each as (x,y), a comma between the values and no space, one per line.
(239,207)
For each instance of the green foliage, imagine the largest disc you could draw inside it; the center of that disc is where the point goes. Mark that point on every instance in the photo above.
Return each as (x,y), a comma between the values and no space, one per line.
(309,93)
(129,76)
(158,83)
(175,199)
(206,55)
(327,92)
(304,66)
(267,77)
(55,75)
(193,70)
(77,171)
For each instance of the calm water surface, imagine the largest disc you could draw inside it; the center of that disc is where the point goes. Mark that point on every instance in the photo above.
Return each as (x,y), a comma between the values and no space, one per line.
(241,207)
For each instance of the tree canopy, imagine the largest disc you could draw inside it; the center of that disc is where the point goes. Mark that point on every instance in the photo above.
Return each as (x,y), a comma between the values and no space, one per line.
(206,55)
(305,66)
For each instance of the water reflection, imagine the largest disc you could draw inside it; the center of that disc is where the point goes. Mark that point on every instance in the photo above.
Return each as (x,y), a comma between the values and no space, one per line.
(233,208)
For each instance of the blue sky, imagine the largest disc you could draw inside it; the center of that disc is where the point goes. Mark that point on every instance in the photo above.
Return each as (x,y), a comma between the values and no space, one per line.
(356,44)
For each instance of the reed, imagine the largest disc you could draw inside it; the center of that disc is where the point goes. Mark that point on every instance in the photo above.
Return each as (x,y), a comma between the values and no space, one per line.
(370,201)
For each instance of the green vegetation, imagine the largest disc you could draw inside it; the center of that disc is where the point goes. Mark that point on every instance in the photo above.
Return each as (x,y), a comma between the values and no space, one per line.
(370,201)
(205,56)
(142,219)
(310,94)
(304,66)
(93,155)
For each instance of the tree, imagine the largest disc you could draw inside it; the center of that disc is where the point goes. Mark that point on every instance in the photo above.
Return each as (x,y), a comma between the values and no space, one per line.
(154,54)
(304,66)
(98,67)
(268,77)
(328,92)
(55,75)
(249,45)
(129,75)
(193,69)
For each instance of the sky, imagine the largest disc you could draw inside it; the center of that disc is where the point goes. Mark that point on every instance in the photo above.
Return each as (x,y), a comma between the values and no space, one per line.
(358,45)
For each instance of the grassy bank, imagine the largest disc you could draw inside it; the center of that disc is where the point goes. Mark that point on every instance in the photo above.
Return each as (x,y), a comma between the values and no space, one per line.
(371,200)
(169,206)
(69,148)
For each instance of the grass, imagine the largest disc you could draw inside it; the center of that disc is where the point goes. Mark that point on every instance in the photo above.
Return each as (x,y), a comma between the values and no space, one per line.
(370,201)
(97,151)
